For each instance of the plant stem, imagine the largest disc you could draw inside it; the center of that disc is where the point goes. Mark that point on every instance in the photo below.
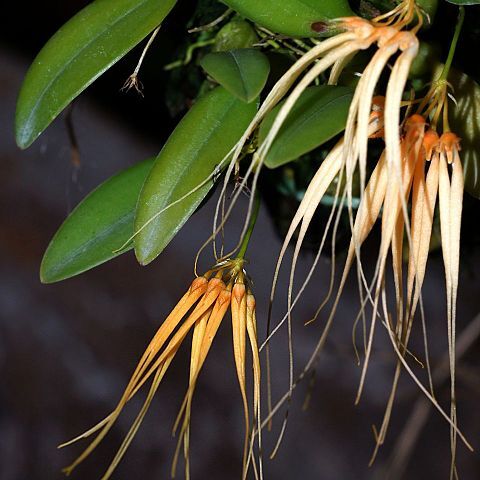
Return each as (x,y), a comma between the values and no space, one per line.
(251,226)
(453,45)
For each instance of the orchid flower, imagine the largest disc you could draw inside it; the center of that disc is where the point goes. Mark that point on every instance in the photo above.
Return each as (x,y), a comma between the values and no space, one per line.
(201,310)
(409,175)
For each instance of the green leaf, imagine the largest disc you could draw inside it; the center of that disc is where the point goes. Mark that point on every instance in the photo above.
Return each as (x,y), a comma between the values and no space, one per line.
(465,122)
(202,139)
(85,47)
(429,7)
(243,72)
(464,2)
(319,114)
(235,34)
(98,226)
(426,60)
(296,18)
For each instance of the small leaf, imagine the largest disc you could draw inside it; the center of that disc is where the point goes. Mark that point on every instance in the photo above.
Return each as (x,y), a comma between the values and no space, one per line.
(199,143)
(235,34)
(319,114)
(85,47)
(465,122)
(295,18)
(98,226)
(243,72)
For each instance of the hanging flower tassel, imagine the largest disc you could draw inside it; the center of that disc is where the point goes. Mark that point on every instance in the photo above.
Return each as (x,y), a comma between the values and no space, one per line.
(202,310)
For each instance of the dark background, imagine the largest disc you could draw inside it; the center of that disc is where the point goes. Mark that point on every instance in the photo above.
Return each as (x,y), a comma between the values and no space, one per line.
(67,350)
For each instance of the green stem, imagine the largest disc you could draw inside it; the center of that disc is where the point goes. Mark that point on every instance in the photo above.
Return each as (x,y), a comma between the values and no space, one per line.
(453,45)
(189,54)
(251,226)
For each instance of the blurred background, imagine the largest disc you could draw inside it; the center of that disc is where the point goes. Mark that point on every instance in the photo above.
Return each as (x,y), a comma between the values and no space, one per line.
(68,349)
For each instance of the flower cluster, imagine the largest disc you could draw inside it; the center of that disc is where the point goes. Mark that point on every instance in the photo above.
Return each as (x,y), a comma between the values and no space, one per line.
(201,310)
(419,167)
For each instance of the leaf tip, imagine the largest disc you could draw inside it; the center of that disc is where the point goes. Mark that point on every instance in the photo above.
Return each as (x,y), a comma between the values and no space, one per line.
(46,276)
(144,254)
(23,136)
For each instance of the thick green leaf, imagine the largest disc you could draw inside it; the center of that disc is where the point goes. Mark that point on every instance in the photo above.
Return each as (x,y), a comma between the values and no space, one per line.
(196,147)
(243,72)
(98,226)
(319,114)
(85,47)
(296,18)
(465,122)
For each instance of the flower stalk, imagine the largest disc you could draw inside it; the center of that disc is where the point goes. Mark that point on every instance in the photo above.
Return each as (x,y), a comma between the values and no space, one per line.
(453,45)
(248,234)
